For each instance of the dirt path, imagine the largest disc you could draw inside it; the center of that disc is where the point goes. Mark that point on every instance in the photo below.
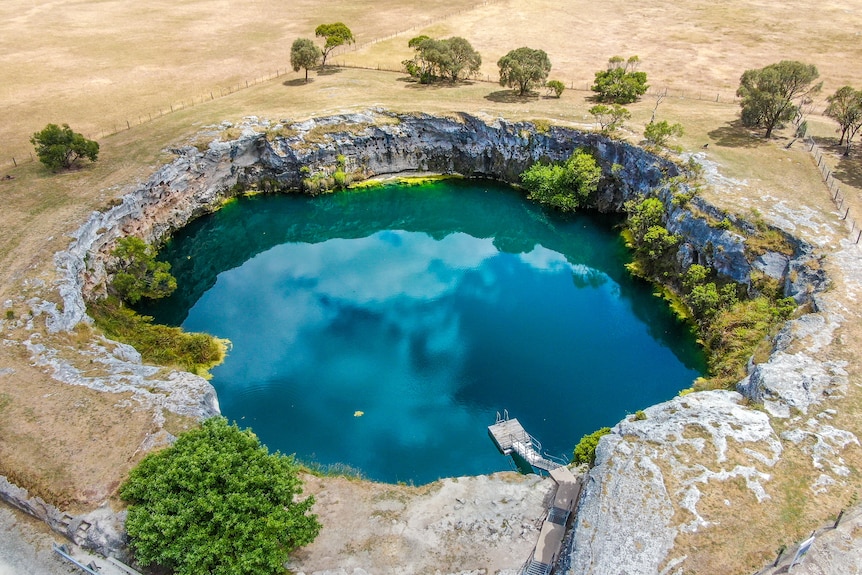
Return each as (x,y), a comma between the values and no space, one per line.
(468,524)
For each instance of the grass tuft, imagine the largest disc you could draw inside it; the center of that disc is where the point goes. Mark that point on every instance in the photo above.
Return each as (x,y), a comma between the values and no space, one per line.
(159,344)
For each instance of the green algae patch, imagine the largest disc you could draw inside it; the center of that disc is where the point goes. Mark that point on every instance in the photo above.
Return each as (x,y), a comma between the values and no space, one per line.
(404,181)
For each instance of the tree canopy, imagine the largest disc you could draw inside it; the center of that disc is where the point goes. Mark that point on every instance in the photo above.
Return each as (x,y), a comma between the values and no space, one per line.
(139,274)
(609,118)
(335,35)
(770,94)
(451,58)
(658,133)
(845,107)
(217,503)
(556,87)
(620,83)
(563,186)
(524,68)
(59,147)
(304,54)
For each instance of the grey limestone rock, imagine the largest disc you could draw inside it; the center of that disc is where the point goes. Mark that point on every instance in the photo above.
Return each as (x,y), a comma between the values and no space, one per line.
(626,520)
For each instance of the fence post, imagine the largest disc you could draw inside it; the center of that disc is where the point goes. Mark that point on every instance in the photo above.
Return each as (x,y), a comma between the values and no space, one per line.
(14,162)
(847,213)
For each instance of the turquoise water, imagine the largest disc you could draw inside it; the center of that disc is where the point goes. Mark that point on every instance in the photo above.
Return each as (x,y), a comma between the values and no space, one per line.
(427,309)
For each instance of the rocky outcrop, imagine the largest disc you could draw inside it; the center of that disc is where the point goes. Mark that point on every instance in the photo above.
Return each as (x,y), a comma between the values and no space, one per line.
(101,529)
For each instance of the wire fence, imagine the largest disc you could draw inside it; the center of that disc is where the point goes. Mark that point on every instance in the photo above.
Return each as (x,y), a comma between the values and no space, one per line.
(838,195)
(142,118)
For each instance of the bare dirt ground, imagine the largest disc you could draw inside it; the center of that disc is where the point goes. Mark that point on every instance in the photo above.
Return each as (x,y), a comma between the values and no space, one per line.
(97,64)
(464,524)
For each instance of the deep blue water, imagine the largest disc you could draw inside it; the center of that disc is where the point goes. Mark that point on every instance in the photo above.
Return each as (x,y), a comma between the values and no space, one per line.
(427,309)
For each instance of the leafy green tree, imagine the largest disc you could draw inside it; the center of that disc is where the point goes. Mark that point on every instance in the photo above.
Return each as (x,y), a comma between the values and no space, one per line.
(556,87)
(524,68)
(769,94)
(217,503)
(451,58)
(304,54)
(585,450)
(656,242)
(658,133)
(563,186)
(335,35)
(138,273)
(59,147)
(845,107)
(620,83)
(609,118)
(642,215)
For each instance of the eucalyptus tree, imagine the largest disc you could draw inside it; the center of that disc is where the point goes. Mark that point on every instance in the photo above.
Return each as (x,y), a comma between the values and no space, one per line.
(334,35)
(524,68)
(304,54)
(775,93)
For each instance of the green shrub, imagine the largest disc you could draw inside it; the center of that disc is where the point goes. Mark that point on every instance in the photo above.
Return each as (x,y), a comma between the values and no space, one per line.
(217,503)
(640,415)
(585,450)
(563,186)
(159,344)
(731,336)
(658,133)
(556,87)
(139,275)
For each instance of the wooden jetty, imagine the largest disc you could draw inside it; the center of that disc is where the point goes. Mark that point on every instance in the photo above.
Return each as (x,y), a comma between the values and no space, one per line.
(512,439)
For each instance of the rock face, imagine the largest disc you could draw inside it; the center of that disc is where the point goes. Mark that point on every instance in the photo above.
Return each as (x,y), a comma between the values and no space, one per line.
(627,520)
(683,443)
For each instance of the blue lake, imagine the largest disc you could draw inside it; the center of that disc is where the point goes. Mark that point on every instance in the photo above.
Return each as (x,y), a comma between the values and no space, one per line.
(384,328)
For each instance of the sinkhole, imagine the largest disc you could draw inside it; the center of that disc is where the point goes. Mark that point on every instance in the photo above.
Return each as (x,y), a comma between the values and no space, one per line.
(382,329)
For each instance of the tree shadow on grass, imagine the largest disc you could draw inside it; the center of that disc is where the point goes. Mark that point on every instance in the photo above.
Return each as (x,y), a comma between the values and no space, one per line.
(328,71)
(511,97)
(414,84)
(297,82)
(735,135)
(849,168)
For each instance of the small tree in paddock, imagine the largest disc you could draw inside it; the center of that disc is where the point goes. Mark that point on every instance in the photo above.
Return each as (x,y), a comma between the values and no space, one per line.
(774,94)
(335,35)
(304,54)
(555,87)
(523,69)
(620,83)
(845,107)
(453,59)
(59,147)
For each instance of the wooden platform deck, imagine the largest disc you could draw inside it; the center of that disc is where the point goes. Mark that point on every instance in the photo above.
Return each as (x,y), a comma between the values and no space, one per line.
(511,438)
(506,433)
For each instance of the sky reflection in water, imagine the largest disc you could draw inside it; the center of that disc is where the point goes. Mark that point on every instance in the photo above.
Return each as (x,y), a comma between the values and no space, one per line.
(427,337)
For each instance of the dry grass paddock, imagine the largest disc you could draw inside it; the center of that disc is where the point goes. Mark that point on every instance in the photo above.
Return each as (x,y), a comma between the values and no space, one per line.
(96,65)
